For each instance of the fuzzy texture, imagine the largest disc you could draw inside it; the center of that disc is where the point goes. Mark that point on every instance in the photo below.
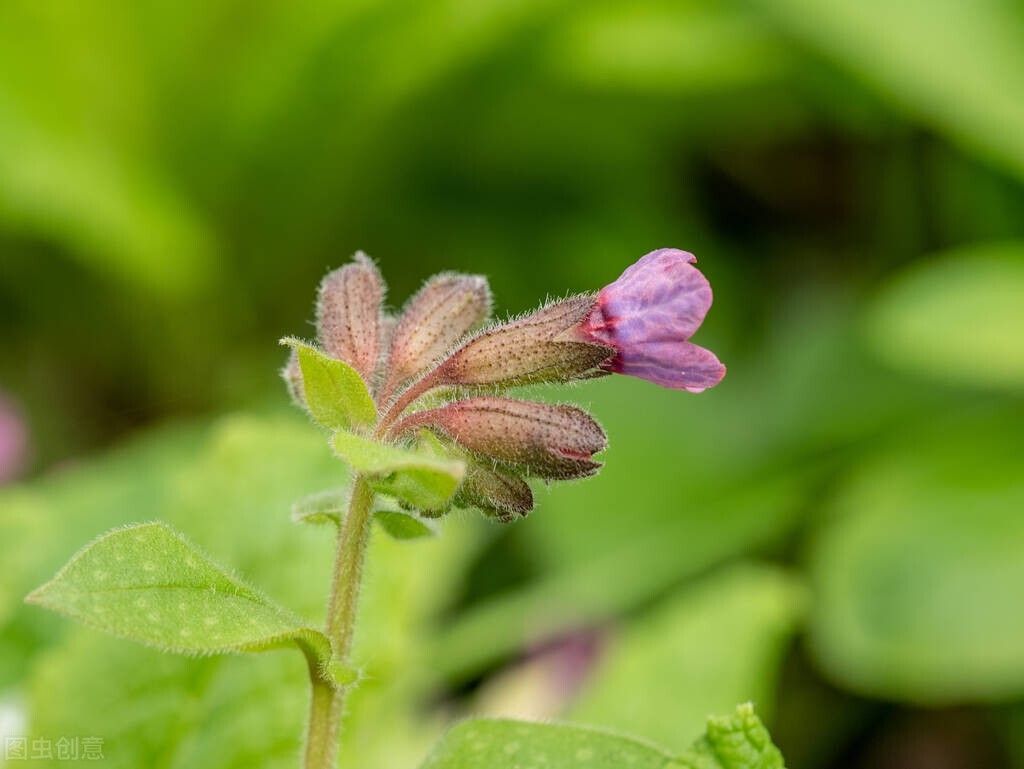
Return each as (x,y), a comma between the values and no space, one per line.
(498,494)
(648,316)
(548,441)
(349,314)
(292,376)
(540,347)
(440,314)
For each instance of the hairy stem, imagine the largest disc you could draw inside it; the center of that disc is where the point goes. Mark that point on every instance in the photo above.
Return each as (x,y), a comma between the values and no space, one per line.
(322,734)
(328,700)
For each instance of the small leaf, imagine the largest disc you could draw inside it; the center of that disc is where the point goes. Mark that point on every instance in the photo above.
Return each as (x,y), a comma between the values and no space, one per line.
(322,507)
(426,482)
(405,524)
(330,506)
(738,741)
(335,394)
(148,584)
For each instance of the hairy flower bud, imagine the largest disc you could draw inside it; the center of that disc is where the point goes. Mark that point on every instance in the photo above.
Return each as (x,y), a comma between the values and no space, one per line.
(497,493)
(442,312)
(545,440)
(348,314)
(541,347)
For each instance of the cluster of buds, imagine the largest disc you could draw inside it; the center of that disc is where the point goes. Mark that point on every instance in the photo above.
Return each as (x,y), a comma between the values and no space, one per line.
(439,370)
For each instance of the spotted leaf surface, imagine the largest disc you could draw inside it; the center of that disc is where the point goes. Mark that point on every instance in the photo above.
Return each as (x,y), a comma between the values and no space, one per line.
(508,744)
(148,584)
(736,741)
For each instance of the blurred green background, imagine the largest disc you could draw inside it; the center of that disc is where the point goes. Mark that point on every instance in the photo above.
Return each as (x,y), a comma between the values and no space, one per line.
(836,532)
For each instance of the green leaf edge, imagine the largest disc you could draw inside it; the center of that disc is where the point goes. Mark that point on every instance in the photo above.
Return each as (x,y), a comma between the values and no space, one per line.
(357,402)
(707,752)
(307,510)
(401,459)
(313,643)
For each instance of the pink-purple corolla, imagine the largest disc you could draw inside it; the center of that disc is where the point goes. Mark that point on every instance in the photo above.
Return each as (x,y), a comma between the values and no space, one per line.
(648,316)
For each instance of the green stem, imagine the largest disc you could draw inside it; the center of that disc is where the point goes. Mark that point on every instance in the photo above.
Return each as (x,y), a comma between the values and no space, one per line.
(328,700)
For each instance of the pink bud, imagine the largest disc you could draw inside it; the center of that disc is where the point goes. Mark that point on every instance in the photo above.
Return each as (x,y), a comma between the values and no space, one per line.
(541,347)
(545,440)
(442,312)
(348,314)
(499,494)
(648,315)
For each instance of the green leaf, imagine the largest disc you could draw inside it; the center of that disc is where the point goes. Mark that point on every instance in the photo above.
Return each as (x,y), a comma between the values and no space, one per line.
(330,507)
(653,557)
(404,524)
(918,572)
(703,650)
(335,394)
(148,584)
(322,507)
(422,480)
(958,317)
(508,744)
(738,741)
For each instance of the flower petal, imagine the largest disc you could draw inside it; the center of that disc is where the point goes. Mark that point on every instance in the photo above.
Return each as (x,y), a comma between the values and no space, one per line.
(662,297)
(679,365)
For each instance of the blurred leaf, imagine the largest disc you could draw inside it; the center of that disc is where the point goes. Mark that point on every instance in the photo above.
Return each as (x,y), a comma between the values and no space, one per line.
(334,392)
(655,556)
(75,165)
(322,507)
(707,647)
(668,47)
(957,66)
(147,583)
(420,479)
(916,574)
(957,317)
(738,741)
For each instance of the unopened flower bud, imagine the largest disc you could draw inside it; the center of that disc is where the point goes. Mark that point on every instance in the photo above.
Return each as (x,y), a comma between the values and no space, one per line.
(497,493)
(348,314)
(442,312)
(545,440)
(541,347)
(647,317)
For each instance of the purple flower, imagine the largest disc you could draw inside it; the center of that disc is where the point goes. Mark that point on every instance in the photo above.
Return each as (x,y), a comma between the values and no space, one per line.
(648,316)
